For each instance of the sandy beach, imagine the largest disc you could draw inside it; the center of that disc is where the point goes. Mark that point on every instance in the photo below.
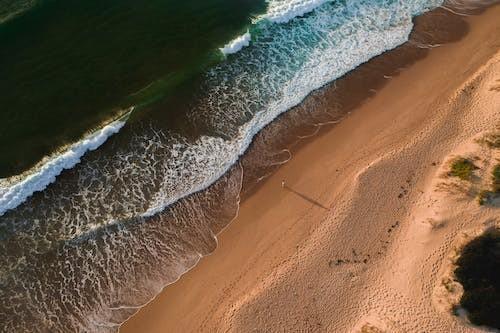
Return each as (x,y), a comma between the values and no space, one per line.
(359,238)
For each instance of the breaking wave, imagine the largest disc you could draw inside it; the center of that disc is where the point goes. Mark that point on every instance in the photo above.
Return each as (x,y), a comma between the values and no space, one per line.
(14,191)
(279,11)
(282,11)
(237,44)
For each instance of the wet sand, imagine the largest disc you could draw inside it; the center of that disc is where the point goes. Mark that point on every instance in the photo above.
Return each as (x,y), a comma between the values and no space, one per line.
(345,243)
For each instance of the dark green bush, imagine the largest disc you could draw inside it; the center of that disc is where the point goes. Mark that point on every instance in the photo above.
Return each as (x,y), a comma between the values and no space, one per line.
(462,168)
(479,273)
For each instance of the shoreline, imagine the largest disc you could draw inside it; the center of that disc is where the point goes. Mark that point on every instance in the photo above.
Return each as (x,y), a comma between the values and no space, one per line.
(255,209)
(315,116)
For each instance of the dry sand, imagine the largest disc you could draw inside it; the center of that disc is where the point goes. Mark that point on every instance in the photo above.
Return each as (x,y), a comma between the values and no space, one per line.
(373,260)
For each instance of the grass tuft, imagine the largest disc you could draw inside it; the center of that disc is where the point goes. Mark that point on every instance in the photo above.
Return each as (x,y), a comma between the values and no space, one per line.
(462,168)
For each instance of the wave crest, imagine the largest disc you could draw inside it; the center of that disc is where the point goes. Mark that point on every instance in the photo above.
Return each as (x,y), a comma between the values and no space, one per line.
(237,44)
(14,193)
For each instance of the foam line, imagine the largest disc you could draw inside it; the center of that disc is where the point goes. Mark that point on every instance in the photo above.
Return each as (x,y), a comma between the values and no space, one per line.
(236,44)
(16,194)
(280,11)
(284,11)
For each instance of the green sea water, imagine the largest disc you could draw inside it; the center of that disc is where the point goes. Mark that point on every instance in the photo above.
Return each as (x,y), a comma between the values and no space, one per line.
(68,65)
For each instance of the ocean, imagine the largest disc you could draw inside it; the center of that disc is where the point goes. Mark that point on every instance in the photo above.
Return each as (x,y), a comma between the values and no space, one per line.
(129,130)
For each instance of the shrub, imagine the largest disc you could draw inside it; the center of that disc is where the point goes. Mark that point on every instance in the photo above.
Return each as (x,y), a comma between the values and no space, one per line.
(478,270)
(462,168)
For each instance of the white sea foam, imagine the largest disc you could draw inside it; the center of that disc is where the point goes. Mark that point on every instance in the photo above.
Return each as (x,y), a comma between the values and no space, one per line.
(279,11)
(15,193)
(282,11)
(351,35)
(237,44)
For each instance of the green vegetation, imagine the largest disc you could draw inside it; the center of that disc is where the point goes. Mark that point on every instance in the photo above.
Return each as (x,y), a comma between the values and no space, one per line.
(485,195)
(478,270)
(462,168)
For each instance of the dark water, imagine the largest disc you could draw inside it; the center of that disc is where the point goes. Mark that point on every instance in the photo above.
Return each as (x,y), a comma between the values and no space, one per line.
(67,65)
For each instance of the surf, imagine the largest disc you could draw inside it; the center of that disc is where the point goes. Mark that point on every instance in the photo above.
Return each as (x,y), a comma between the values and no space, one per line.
(16,190)
(331,41)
